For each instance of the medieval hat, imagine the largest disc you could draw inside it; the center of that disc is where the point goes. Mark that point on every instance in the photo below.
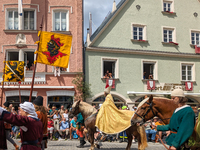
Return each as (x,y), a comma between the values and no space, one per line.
(107,89)
(38,101)
(6,104)
(177,93)
(29,108)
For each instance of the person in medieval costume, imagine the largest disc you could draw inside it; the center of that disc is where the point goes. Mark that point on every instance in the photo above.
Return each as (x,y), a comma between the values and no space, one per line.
(30,126)
(8,127)
(80,130)
(3,144)
(181,124)
(111,120)
(42,115)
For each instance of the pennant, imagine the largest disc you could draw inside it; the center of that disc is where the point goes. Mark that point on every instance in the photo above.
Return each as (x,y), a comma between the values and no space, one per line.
(189,86)
(54,49)
(151,85)
(14,71)
(110,82)
(197,49)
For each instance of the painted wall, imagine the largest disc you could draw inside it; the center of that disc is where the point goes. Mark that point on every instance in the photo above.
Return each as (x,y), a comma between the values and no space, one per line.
(130,72)
(118,33)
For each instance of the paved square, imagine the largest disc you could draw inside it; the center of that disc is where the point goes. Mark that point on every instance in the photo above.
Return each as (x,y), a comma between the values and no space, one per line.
(71,145)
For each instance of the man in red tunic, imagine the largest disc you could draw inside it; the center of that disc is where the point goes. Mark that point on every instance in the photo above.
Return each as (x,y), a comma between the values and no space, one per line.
(3,144)
(31,128)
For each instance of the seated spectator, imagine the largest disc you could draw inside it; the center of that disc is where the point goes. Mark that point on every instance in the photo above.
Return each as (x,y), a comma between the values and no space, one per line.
(50,127)
(56,116)
(157,122)
(56,119)
(62,110)
(52,112)
(149,131)
(65,115)
(73,126)
(64,128)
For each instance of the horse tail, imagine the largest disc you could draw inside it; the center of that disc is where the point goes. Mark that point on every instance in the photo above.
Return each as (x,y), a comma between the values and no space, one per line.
(141,131)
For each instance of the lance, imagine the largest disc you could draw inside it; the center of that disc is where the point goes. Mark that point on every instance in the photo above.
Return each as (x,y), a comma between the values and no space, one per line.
(33,78)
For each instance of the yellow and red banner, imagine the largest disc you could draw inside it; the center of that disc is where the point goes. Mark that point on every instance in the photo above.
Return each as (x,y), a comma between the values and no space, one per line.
(54,49)
(14,71)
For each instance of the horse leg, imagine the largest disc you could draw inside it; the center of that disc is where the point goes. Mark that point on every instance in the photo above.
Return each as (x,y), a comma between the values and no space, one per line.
(130,138)
(91,138)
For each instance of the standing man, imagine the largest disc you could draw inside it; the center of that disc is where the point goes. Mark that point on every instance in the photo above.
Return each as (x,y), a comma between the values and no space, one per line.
(31,126)
(182,122)
(62,110)
(42,115)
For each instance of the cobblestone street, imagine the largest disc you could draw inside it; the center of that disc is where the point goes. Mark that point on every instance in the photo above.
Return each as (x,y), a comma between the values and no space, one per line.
(71,145)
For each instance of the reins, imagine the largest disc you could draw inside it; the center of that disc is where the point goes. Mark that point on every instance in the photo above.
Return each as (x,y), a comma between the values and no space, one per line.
(91,116)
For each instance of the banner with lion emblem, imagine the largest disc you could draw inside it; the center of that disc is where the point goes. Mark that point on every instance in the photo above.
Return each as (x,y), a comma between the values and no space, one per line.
(54,49)
(14,71)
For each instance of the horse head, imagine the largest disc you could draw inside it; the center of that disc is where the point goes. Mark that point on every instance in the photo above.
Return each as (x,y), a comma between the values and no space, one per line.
(144,112)
(75,109)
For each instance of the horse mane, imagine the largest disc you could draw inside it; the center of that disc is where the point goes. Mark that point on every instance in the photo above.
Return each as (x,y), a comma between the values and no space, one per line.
(146,99)
(86,108)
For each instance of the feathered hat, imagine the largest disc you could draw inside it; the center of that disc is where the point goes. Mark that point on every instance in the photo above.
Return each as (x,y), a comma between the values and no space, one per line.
(107,89)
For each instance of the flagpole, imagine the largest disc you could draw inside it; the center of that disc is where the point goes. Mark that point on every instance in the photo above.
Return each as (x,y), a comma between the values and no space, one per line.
(2,89)
(20,99)
(33,78)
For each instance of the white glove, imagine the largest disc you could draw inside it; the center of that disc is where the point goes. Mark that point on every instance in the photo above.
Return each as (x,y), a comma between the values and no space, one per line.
(1,110)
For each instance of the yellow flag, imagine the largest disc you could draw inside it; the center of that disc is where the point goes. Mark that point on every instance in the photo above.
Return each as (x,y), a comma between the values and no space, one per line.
(54,49)
(14,71)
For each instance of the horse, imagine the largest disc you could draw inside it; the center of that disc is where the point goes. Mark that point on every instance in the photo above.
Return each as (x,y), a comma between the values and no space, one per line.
(89,114)
(157,106)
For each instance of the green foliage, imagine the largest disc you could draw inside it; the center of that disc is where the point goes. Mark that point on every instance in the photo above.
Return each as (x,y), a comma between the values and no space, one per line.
(83,88)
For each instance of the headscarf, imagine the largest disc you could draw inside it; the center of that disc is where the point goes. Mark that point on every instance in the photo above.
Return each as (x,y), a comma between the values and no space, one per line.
(29,108)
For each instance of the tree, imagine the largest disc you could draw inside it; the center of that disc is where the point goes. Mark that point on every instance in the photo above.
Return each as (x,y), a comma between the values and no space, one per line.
(82,88)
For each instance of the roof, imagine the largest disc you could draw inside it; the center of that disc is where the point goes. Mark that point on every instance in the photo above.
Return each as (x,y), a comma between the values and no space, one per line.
(106,20)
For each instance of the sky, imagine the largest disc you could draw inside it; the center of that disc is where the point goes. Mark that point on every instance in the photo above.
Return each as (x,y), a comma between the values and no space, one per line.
(99,10)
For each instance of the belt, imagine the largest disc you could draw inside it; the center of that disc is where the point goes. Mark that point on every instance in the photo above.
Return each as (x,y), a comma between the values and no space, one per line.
(173,132)
(34,143)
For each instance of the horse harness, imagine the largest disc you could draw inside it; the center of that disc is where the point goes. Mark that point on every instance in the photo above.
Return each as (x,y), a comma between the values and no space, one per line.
(91,116)
(150,108)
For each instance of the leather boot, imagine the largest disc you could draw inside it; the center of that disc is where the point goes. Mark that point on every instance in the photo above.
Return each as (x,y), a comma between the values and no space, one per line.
(82,142)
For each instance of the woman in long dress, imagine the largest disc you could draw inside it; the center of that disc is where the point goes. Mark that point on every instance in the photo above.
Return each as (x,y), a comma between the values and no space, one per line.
(110,119)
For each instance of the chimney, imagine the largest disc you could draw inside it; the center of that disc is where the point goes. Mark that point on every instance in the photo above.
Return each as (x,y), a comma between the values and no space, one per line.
(114,6)
(90,24)
(88,37)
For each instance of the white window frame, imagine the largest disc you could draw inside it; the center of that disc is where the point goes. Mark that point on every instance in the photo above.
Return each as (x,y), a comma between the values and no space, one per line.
(194,31)
(35,17)
(24,9)
(144,31)
(116,60)
(6,17)
(155,71)
(193,70)
(168,1)
(173,33)
(53,18)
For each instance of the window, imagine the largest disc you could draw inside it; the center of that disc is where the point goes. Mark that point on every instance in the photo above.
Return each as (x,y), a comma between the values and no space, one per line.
(195,38)
(27,56)
(138,32)
(13,56)
(187,72)
(67,101)
(14,100)
(29,60)
(29,19)
(60,21)
(168,37)
(167,6)
(149,70)
(12,20)
(109,67)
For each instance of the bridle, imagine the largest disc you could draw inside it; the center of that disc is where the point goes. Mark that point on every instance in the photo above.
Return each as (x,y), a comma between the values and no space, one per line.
(150,109)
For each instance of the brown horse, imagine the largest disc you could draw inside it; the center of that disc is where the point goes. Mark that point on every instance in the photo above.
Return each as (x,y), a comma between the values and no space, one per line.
(89,114)
(156,106)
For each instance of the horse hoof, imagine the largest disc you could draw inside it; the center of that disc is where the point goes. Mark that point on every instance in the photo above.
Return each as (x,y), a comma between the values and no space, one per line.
(98,146)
